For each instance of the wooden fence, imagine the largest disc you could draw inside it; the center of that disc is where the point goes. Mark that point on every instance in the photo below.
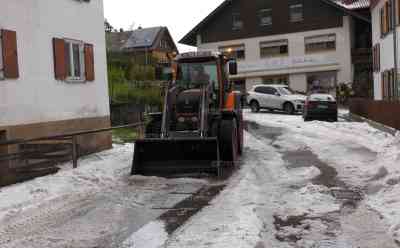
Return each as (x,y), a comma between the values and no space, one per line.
(384,112)
(26,159)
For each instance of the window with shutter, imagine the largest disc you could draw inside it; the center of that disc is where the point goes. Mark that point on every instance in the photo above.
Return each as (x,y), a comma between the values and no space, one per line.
(385,19)
(60,53)
(1,59)
(296,12)
(265,16)
(320,43)
(381,21)
(384,82)
(234,51)
(397,12)
(389,15)
(374,58)
(237,23)
(72,59)
(378,57)
(9,55)
(89,62)
(75,60)
(274,48)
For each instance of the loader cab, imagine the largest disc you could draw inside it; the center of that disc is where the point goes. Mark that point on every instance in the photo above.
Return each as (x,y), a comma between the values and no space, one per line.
(192,70)
(198,70)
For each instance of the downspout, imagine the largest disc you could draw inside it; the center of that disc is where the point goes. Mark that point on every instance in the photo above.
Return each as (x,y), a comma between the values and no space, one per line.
(395,47)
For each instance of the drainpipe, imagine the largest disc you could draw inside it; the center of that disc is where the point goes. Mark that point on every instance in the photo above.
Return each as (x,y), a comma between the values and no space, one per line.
(395,46)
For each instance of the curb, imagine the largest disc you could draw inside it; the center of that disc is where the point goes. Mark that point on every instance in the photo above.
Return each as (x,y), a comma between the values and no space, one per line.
(377,125)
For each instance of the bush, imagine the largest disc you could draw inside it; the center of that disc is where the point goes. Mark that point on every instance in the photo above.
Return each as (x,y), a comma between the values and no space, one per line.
(134,84)
(129,92)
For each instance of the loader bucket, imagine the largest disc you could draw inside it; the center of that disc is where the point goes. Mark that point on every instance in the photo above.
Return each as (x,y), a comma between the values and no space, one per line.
(176,156)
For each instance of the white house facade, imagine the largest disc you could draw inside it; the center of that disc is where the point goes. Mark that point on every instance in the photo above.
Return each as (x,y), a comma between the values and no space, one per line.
(53,69)
(384,21)
(305,44)
(297,67)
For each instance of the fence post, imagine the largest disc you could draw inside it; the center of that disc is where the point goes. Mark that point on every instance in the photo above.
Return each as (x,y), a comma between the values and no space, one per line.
(74,152)
(141,127)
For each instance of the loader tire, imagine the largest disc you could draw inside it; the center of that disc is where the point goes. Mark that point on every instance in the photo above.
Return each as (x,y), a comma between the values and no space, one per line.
(153,129)
(229,141)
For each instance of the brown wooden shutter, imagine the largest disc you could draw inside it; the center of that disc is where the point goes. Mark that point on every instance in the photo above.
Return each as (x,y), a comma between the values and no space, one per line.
(60,62)
(89,62)
(381,15)
(397,16)
(387,16)
(382,85)
(378,62)
(374,58)
(10,54)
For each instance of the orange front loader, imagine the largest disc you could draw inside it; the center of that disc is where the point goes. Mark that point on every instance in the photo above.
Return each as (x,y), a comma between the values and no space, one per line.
(201,126)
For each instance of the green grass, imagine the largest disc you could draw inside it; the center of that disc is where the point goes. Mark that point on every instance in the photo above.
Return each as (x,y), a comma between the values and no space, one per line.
(124,135)
(125,92)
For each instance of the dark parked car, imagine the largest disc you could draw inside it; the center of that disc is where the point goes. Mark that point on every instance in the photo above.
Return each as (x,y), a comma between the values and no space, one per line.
(320,107)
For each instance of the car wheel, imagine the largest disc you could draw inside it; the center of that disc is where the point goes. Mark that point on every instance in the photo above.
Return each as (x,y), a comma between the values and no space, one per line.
(255,107)
(288,108)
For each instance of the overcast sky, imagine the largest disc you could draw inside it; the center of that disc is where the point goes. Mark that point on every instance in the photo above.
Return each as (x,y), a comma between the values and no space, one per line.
(180,16)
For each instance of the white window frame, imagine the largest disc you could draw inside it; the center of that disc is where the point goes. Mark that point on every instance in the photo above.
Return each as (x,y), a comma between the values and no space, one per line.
(274,44)
(291,8)
(324,38)
(74,78)
(234,49)
(1,59)
(237,24)
(261,18)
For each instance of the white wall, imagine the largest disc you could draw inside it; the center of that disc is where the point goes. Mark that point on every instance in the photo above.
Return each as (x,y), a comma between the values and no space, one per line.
(386,49)
(36,96)
(341,57)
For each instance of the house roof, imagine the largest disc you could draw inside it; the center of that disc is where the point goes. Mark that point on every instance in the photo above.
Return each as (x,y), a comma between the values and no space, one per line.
(347,6)
(137,39)
(116,40)
(143,37)
(353,4)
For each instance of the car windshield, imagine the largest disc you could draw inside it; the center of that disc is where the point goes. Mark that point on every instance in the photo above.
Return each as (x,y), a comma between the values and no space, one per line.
(286,91)
(193,75)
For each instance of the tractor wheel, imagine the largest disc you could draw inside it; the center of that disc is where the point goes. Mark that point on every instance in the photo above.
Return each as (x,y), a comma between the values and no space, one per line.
(240,132)
(229,141)
(153,129)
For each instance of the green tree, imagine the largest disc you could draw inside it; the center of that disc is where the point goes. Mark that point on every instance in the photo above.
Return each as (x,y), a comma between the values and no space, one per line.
(108,27)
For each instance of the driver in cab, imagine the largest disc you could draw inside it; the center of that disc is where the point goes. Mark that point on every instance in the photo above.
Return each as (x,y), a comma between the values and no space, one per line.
(200,76)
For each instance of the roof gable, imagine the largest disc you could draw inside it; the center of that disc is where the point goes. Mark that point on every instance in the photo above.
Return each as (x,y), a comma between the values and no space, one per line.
(343,6)
(116,40)
(143,37)
(139,39)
